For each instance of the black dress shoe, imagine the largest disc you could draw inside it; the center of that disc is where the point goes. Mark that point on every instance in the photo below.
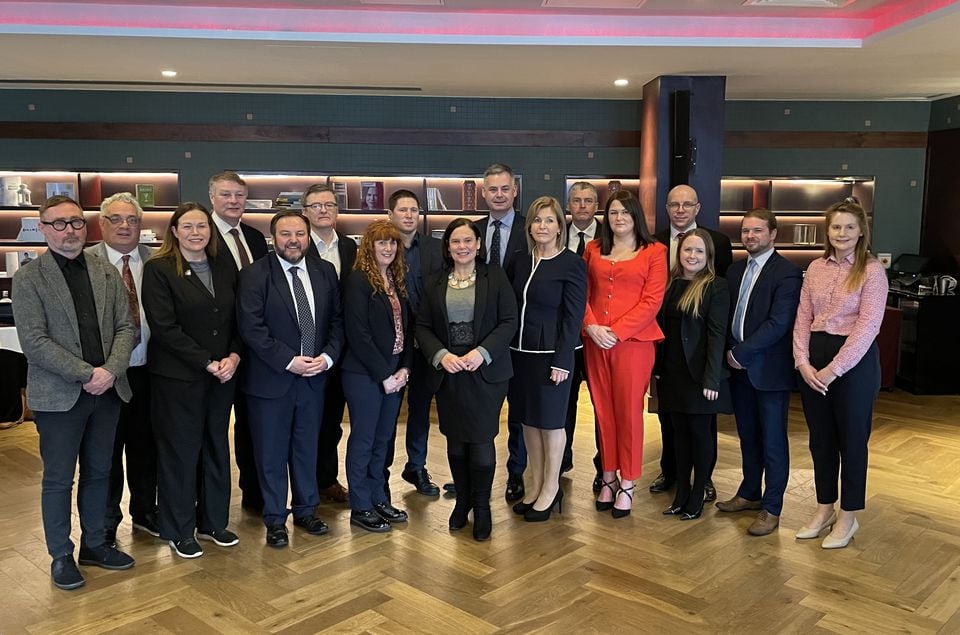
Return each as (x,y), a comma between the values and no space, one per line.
(106,557)
(597,483)
(661,484)
(566,467)
(420,479)
(110,536)
(514,491)
(390,513)
(65,573)
(709,492)
(277,536)
(450,488)
(521,508)
(312,524)
(369,520)
(147,523)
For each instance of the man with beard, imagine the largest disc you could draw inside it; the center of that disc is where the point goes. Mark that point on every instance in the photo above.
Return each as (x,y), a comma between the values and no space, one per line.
(290,319)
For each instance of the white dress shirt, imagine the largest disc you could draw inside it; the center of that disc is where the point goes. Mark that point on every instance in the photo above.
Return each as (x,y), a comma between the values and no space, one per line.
(304,276)
(139,355)
(331,252)
(573,235)
(224,228)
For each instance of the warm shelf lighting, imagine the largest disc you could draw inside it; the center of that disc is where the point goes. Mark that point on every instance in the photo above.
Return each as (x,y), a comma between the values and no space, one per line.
(169,73)
(621,82)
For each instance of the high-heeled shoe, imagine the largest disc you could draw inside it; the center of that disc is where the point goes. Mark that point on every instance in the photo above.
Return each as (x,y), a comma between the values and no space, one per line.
(603,506)
(673,510)
(622,513)
(805,533)
(522,508)
(534,515)
(839,543)
(692,515)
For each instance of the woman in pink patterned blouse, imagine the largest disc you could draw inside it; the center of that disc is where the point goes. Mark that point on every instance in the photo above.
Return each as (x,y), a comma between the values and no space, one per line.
(841,308)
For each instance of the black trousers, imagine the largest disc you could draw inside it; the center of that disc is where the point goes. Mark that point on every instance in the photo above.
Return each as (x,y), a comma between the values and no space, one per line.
(694,448)
(244,451)
(135,437)
(668,450)
(190,423)
(331,430)
(840,423)
(577,378)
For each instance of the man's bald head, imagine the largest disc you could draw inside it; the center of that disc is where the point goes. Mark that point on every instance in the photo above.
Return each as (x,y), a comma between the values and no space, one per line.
(683,205)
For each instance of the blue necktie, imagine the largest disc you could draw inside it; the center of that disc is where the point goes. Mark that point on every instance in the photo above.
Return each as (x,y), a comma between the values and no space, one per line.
(308,330)
(495,244)
(742,299)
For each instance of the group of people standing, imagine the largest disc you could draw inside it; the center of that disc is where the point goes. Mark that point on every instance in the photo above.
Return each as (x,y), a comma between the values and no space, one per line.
(146,353)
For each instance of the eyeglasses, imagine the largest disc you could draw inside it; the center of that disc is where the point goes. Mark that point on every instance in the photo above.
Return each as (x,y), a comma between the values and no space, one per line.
(60,224)
(688,206)
(316,207)
(132,221)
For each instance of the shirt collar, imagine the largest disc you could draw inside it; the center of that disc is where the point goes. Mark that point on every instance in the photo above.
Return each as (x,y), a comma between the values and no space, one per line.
(851,257)
(506,221)
(62,261)
(302,265)
(589,232)
(114,256)
(762,258)
(319,241)
(674,231)
(223,226)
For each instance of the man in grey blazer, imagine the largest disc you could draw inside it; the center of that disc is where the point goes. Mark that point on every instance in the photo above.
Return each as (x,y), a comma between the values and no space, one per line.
(73,321)
(120,218)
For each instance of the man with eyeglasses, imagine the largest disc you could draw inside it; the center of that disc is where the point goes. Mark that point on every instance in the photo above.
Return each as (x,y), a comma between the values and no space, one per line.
(228,196)
(683,205)
(120,219)
(321,209)
(73,321)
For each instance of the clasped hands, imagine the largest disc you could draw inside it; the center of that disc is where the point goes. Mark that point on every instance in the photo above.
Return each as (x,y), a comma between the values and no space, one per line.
(819,380)
(469,362)
(224,369)
(602,336)
(100,381)
(396,382)
(308,366)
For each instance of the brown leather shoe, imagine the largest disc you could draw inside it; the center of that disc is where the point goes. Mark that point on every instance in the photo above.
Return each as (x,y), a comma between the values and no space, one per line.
(737,504)
(764,524)
(336,493)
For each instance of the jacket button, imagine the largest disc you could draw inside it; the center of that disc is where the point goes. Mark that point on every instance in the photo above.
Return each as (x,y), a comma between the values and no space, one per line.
(215,332)
(216,310)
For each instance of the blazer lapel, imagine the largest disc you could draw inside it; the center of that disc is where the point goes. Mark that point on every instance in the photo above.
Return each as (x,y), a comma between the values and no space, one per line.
(279,280)
(58,284)
(193,279)
(480,300)
(98,282)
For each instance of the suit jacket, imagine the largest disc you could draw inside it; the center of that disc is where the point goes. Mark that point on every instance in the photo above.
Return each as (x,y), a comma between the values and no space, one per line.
(704,338)
(431,256)
(370,329)
(189,327)
(516,243)
(766,351)
(255,241)
(100,251)
(347,248)
(494,323)
(723,251)
(49,334)
(552,301)
(268,324)
(571,228)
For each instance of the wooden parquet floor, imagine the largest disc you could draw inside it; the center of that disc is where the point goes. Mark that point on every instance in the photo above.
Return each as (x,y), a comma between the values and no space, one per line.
(582,572)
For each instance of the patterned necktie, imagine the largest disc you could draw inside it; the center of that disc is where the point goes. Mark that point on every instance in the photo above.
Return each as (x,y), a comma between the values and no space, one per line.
(494,258)
(244,258)
(676,249)
(308,330)
(581,244)
(742,299)
(131,287)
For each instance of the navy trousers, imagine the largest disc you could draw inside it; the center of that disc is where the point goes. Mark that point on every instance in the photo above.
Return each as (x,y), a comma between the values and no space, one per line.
(331,430)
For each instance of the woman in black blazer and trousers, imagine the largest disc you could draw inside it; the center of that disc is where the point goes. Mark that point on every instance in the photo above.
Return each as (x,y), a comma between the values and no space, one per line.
(188,298)
(375,370)
(467,318)
(692,385)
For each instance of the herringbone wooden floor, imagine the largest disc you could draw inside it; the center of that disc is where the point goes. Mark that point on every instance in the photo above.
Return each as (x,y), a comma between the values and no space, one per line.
(581,572)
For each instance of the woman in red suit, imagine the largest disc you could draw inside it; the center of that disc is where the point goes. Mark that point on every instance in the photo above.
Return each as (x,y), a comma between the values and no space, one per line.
(626,278)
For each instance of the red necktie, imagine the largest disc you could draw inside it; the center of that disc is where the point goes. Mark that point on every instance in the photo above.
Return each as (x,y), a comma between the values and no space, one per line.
(131,286)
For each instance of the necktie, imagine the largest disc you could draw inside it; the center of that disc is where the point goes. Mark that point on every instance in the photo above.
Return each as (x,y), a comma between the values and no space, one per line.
(581,244)
(494,258)
(241,251)
(741,309)
(675,253)
(308,331)
(131,287)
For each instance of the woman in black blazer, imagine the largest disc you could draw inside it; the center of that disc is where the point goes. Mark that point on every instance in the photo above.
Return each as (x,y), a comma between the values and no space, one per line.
(375,370)
(467,318)
(188,298)
(551,290)
(691,382)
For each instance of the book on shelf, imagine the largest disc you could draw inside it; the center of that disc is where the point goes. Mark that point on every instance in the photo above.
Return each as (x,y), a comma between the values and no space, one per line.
(371,195)
(146,194)
(62,189)
(435,200)
(259,203)
(469,195)
(30,230)
(340,191)
(292,200)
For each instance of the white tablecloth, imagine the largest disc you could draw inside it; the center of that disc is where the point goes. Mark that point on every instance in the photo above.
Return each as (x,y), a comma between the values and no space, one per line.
(9,339)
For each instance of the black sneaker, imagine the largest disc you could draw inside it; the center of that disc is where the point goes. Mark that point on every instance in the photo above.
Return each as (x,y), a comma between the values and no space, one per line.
(369,520)
(106,557)
(220,537)
(420,479)
(390,513)
(65,573)
(187,548)
(277,536)
(312,524)
(147,523)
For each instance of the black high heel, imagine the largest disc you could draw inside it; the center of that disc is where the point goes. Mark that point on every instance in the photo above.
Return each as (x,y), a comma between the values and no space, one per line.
(603,506)
(673,510)
(622,513)
(533,515)
(521,508)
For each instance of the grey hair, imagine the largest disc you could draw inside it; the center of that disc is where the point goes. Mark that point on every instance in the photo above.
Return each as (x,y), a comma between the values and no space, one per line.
(122,197)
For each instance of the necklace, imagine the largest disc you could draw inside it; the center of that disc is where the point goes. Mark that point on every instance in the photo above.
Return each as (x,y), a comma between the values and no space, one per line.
(457,282)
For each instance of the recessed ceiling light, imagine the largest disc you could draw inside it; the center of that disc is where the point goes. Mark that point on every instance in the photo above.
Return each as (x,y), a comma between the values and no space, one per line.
(621,82)
(169,73)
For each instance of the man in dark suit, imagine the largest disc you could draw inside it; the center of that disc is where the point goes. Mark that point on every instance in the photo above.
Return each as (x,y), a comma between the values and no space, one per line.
(290,319)
(73,322)
(683,205)
(120,217)
(228,196)
(767,288)
(423,258)
(320,208)
(502,241)
(582,202)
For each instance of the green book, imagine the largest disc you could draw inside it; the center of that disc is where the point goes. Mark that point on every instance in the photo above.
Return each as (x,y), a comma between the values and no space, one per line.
(146,195)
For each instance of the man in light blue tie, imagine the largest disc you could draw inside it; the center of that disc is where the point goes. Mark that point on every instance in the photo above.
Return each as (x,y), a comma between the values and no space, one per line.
(759,352)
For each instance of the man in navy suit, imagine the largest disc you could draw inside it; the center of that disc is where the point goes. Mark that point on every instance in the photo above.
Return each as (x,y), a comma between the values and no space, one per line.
(228,197)
(289,316)
(503,240)
(760,354)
